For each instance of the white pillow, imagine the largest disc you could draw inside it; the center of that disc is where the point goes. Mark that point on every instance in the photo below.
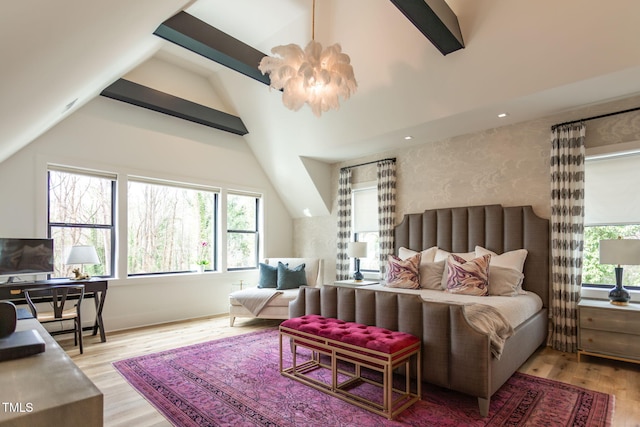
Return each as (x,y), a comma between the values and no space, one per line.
(427,254)
(426,266)
(512,259)
(442,255)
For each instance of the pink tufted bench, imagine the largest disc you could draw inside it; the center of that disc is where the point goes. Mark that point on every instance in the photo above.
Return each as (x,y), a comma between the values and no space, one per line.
(350,346)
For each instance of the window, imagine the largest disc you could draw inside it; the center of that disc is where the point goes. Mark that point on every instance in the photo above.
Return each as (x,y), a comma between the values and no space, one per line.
(81,212)
(170,227)
(612,210)
(243,236)
(364,205)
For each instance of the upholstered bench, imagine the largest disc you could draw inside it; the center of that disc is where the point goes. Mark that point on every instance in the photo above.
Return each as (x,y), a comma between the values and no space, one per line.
(349,347)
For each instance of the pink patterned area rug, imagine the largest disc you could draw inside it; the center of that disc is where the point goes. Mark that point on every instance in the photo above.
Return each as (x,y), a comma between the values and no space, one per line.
(235,382)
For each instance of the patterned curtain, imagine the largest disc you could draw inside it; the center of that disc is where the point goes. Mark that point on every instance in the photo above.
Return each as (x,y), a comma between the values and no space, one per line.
(344,224)
(386,210)
(567,232)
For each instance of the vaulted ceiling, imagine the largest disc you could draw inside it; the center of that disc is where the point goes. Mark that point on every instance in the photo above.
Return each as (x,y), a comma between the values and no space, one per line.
(529,58)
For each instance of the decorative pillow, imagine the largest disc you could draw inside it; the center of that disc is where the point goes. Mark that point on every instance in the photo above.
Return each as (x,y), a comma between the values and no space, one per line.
(468,277)
(426,272)
(512,259)
(403,273)
(268,276)
(291,278)
(428,255)
(442,255)
(431,275)
(505,282)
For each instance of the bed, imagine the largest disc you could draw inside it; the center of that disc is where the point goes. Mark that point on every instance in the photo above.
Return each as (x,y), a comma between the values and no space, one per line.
(455,353)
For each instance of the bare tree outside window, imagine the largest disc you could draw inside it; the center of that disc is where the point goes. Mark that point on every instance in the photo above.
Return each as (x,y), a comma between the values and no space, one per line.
(171,228)
(242,231)
(81,213)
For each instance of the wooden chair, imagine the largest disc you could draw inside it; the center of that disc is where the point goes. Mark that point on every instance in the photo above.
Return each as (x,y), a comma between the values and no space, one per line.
(58,296)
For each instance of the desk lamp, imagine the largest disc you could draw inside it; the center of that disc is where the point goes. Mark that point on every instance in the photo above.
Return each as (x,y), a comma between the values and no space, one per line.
(84,254)
(357,250)
(619,252)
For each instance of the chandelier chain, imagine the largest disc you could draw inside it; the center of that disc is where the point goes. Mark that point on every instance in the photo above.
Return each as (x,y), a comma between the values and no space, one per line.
(313,21)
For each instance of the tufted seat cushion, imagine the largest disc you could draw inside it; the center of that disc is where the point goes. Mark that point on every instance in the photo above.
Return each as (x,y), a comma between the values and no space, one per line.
(363,336)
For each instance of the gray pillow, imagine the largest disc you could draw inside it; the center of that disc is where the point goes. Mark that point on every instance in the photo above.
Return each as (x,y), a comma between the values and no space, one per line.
(505,282)
(291,278)
(431,275)
(268,276)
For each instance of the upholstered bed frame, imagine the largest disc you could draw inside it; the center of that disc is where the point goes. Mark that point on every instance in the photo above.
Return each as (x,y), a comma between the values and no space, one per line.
(454,354)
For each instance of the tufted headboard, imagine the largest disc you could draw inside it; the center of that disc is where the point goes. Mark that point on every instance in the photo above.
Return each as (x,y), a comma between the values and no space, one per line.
(497,228)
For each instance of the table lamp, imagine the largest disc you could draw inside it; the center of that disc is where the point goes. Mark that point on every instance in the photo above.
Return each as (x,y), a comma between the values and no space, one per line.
(619,252)
(83,254)
(357,250)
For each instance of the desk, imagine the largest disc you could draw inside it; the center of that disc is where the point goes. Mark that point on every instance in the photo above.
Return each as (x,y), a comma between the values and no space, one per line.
(47,389)
(93,288)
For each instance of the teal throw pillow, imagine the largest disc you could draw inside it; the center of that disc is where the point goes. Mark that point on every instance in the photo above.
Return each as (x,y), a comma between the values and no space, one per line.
(291,278)
(268,276)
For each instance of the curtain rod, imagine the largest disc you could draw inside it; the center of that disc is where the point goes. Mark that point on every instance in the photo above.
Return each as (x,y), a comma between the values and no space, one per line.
(368,163)
(595,117)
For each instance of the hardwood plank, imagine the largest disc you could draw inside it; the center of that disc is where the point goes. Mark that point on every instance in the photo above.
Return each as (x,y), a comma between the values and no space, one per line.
(125,407)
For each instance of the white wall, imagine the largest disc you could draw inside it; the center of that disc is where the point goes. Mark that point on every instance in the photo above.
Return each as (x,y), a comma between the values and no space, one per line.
(507,165)
(112,136)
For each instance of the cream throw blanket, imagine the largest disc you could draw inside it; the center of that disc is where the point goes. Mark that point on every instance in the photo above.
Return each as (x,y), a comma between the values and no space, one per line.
(491,322)
(254,299)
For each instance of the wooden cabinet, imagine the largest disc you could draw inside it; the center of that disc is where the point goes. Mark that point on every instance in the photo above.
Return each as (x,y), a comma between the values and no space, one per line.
(607,330)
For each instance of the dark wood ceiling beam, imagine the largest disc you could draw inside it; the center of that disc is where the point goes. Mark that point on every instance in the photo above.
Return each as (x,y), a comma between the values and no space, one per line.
(191,33)
(146,97)
(436,20)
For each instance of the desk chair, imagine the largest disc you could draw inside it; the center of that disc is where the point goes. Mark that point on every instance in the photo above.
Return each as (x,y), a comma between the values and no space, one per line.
(57,296)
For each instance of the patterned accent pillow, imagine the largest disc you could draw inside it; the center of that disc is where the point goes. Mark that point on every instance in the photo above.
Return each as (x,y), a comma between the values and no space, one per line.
(404,273)
(468,277)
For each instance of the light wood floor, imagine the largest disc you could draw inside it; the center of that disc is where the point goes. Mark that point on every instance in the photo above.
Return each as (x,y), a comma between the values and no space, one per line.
(123,406)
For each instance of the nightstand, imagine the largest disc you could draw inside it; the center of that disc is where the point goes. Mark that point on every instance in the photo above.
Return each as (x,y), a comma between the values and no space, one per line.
(354,284)
(610,331)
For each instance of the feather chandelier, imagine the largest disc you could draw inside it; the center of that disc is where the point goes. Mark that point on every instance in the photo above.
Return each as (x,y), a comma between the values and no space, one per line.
(314,76)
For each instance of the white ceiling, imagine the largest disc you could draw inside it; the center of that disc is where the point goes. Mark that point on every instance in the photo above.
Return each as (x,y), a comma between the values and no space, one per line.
(529,58)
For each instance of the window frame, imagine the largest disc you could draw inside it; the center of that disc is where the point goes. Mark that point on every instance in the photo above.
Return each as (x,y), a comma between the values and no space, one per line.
(215,191)
(256,231)
(110,227)
(363,186)
(593,154)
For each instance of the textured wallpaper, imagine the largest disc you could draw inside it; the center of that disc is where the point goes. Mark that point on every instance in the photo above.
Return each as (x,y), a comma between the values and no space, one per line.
(507,165)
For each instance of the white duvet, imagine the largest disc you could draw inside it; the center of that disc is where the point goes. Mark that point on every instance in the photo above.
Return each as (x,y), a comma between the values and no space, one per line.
(515,309)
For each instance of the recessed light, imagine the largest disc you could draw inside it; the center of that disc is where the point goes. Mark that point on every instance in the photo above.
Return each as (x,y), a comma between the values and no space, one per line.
(503,115)
(306,212)
(408,137)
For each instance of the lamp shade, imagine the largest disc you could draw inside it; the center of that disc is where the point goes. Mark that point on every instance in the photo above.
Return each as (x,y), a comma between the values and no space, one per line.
(85,254)
(357,249)
(620,251)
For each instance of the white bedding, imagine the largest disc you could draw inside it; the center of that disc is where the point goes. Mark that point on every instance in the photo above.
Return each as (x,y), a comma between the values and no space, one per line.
(515,309)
